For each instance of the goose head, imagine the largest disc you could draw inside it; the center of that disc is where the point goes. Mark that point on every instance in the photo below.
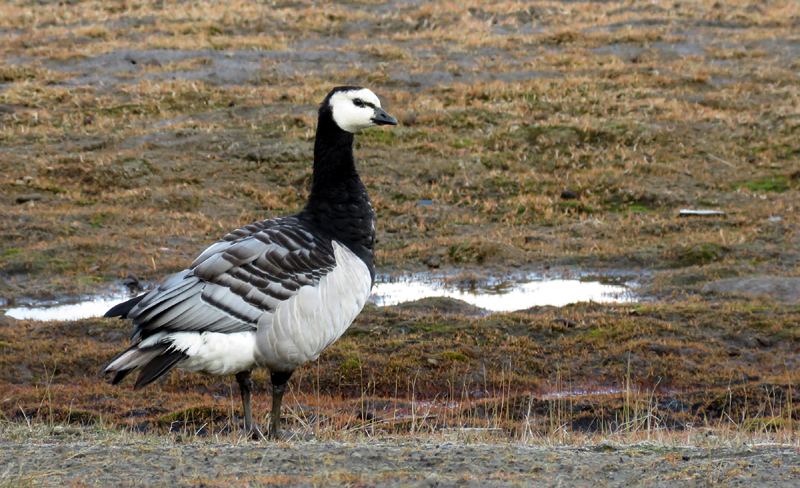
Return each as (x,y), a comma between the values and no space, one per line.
(353,108)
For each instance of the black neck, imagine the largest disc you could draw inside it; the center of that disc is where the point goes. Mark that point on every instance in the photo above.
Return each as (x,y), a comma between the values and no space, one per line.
(338,204)
(334,165)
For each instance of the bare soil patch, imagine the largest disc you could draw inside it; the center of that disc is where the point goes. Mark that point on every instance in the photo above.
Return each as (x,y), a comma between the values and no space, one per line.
(85,459)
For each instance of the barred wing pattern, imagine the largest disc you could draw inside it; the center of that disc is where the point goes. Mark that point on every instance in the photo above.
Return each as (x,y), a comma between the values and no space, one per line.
(236,280)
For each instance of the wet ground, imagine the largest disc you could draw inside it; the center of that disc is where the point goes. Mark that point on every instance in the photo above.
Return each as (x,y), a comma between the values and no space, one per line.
(559,140)
(488,294)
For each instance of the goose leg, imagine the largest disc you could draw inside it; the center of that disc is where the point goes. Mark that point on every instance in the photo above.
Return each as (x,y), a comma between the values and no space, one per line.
(245,387)
(279,380)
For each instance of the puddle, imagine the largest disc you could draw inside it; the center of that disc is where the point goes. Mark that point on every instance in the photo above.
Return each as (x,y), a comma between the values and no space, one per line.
(502,295)
(68,309)
(493,294)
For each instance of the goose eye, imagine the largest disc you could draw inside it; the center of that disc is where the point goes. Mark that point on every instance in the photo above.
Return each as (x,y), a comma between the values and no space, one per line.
(358,102)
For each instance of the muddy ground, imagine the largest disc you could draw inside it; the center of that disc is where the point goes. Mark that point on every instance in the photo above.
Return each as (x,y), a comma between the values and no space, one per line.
(560,138)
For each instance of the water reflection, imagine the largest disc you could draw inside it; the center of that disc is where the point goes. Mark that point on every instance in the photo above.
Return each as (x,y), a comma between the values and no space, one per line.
(493,295)
(94,306)
(504,296)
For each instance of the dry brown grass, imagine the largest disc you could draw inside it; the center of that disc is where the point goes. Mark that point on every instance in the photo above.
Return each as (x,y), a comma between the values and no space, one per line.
(659,373)
(642,108)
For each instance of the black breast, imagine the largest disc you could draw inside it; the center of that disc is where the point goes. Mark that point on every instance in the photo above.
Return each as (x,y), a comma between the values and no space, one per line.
(349,221)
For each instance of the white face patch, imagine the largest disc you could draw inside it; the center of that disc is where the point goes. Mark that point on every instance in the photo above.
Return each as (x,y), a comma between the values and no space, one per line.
(347,113)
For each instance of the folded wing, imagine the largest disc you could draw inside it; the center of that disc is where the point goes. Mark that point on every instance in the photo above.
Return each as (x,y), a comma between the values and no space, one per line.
(225,290)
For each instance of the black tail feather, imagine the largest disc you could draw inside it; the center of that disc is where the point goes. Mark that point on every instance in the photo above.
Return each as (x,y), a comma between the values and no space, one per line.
(121,374)
(162,361)
(122,309)
(157,367)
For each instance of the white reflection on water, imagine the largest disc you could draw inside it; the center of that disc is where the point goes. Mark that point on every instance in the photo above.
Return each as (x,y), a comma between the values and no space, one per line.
(503,297)
(94,306)
(496,296)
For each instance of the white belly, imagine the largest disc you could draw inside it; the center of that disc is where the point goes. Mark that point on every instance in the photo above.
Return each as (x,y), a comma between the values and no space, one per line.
(303,326)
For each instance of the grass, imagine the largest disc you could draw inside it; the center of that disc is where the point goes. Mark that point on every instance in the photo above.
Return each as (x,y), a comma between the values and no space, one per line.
(654,372)
(637,136)
(773,184)
(486,409)
(637,425)
(640,139)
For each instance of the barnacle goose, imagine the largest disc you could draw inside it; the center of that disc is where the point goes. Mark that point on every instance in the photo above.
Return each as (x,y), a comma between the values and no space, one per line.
(275,293)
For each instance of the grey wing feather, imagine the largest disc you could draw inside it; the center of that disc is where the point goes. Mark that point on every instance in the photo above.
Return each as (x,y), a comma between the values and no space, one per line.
(233,282)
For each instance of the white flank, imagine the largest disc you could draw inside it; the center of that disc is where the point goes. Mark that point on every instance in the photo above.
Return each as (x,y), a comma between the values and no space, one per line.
(209,352)
(307,323)
(214,352)
(347,115)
